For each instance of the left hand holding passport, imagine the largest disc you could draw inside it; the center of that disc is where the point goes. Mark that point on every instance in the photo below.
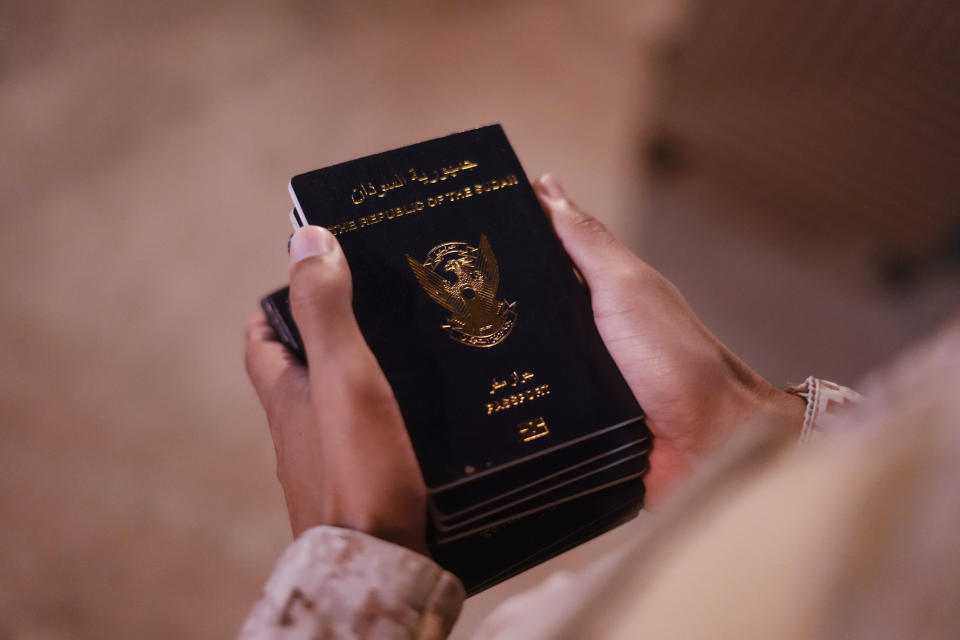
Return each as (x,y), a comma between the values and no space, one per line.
(343,455)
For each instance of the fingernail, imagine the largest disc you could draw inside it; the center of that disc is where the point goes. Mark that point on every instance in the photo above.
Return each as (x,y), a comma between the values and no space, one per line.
(311,241)
(551,187)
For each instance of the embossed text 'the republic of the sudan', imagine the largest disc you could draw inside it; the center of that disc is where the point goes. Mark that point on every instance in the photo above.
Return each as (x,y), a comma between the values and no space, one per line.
(440,198)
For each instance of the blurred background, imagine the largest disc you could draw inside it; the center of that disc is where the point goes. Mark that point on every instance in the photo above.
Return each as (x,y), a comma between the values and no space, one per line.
(790,164)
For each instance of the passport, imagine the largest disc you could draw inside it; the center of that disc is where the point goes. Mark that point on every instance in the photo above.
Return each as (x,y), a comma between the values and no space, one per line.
(527,435)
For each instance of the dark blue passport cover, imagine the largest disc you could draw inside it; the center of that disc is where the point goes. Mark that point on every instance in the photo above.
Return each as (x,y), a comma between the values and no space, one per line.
(468,188)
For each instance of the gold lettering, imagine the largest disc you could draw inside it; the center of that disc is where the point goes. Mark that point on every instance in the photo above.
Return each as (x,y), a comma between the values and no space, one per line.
(368,190)
(517,399)
(532,429)
(343,227)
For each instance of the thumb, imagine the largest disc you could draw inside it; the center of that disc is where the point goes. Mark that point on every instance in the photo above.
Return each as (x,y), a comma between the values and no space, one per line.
(321,294)
(598,255)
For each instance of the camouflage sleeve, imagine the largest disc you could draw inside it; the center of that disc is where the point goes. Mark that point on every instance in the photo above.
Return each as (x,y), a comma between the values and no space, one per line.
(337,583)
(824,401)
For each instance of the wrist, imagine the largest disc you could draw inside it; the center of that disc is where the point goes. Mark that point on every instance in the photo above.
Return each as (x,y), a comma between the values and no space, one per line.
(777,409)
(762,405)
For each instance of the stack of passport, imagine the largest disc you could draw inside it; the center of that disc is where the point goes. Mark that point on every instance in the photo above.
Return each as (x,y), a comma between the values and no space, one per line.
(528,437)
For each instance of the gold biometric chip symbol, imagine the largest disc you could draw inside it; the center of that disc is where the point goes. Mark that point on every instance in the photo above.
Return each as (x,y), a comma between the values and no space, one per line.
(478,319)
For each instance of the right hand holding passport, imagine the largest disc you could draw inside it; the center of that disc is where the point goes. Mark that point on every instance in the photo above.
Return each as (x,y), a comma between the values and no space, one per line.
(344,457)
(695,393)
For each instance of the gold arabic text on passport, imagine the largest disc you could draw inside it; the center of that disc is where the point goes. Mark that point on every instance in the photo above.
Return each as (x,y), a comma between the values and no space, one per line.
(438,199)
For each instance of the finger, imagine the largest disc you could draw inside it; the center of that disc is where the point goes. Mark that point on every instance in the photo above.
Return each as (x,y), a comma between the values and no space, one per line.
(320,299)
(348,387)
(320,291)
(595,252)
(266,358)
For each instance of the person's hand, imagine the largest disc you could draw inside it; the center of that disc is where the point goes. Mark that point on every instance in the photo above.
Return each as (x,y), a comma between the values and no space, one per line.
(696,394)
(343,455)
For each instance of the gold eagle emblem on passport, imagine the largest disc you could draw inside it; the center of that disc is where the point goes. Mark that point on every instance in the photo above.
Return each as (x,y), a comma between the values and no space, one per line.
(478,319)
